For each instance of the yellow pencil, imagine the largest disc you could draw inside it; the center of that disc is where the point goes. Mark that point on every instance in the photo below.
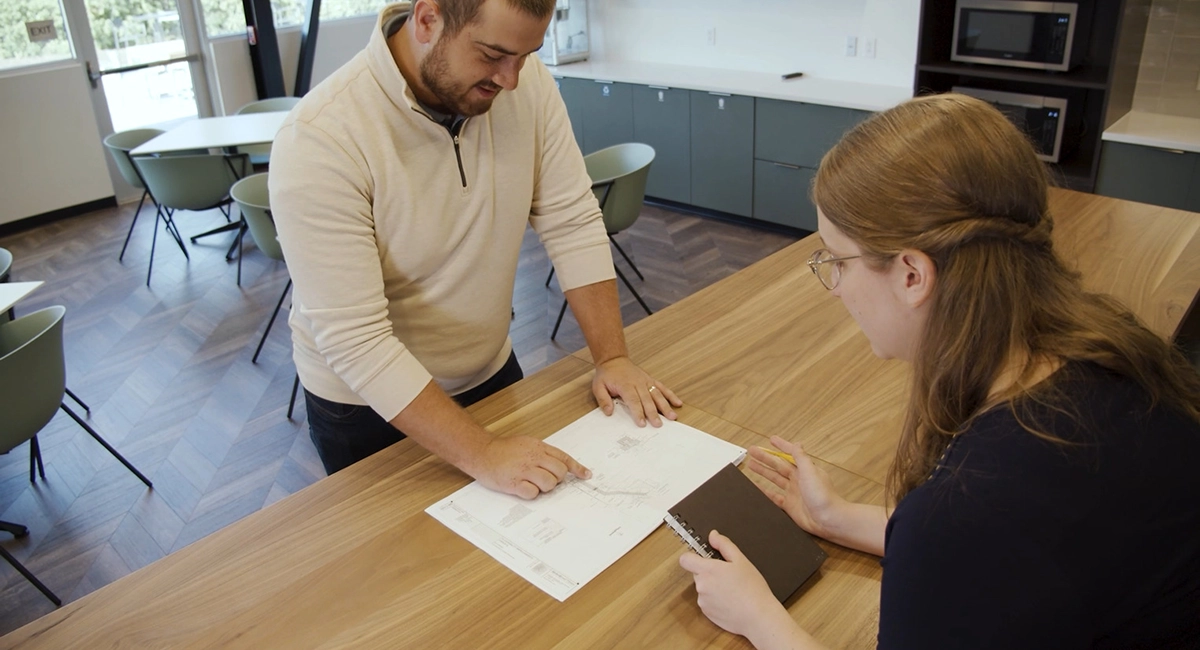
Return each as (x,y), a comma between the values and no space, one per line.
(779,454)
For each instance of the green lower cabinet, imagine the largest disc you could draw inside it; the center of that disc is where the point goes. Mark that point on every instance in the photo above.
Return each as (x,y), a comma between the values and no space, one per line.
(781,195)
(573,92)
(1193,202)
(1149,175)
(662,119)
(722,145)
(607,115)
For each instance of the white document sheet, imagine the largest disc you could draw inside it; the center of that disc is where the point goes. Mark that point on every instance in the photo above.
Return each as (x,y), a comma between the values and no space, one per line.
(564,538)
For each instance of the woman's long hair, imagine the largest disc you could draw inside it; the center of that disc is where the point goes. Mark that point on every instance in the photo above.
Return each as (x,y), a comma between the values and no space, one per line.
(949,175)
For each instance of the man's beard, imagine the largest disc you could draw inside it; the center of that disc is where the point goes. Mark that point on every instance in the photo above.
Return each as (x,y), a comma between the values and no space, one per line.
(454,99)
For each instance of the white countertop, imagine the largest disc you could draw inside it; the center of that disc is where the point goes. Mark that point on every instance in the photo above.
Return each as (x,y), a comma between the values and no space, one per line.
(1155,130)
(844,94)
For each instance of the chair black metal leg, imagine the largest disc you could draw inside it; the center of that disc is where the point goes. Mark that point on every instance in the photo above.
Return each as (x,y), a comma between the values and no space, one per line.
(236,244)
(631,264)
(153,243)
(225,211)
(286,288)
(79,401)
(37,452)
(169,215)
(551,276)
(561,313)
(17,530)
(35,460)
(241,236)
(107,446)
(29,576)
(133,223)
(295,389)
(634,291)
(215,231)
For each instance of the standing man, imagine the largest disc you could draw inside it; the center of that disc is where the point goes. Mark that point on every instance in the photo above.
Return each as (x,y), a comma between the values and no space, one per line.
(401,187)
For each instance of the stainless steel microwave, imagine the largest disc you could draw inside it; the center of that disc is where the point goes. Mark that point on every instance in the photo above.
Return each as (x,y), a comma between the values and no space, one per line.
(1038,35)
(1041,118)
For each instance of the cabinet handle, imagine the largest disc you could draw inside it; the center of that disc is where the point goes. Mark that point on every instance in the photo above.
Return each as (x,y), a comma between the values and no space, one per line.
(777,164)
(1178,151)
(601,81)
(660,87)
(721,94)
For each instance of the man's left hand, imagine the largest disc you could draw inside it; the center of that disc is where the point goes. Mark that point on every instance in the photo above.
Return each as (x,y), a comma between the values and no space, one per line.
(646,398)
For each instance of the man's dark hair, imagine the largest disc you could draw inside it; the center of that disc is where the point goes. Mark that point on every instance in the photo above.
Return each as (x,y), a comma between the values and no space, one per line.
(460,13)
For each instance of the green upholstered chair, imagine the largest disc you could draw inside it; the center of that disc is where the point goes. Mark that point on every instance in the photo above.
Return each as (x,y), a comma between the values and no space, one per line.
(254,199)
(119,145)
(618,176)
(32,386)
(192,182)
(260,154)
(6,262)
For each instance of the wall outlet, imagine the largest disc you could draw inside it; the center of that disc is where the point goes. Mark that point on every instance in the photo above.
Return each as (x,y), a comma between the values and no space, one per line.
(851,46)
(711,36)
(869,48)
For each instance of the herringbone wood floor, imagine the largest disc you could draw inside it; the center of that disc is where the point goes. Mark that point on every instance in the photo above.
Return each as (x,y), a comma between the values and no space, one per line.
(167,373)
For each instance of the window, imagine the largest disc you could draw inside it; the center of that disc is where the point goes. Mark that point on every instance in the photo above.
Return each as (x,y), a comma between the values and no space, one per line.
(16,50)
(224,17)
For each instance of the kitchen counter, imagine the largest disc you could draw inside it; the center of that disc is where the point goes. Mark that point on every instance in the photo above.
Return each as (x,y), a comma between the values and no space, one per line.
(828,92)
(1155,130)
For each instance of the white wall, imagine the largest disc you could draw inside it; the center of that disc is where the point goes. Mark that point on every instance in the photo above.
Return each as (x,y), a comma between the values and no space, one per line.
(233,78)
(52,158)
(773,36)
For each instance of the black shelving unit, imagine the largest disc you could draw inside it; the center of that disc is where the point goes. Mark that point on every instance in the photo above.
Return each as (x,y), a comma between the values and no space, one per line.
(1098,92)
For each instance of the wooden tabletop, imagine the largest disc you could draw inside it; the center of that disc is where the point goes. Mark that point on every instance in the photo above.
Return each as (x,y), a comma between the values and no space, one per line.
(216,133)
(354,562)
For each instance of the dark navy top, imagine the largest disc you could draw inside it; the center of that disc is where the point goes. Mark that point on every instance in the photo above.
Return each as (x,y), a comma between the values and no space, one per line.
(1017,542)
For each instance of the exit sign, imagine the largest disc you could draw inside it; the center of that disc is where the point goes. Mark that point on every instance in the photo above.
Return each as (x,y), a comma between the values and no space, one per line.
(41,30)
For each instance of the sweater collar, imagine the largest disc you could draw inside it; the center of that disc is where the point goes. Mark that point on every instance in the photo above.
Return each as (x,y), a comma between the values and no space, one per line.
(384,67)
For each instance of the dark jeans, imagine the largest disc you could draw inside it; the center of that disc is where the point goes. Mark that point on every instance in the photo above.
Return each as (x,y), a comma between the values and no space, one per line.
(347,433)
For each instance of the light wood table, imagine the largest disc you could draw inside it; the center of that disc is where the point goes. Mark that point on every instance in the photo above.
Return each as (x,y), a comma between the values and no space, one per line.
(354,562)
(216,133)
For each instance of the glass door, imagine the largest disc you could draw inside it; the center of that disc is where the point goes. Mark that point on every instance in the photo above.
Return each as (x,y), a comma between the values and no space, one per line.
(142,59)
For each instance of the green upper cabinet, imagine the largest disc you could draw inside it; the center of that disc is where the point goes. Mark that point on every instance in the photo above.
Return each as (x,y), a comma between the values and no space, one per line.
(800,134)
(607,115)
(662,119)
(1149,175)
(723,152)
(573,92)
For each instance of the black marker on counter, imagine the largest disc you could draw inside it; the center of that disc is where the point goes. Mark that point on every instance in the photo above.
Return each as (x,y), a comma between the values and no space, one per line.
(792,75)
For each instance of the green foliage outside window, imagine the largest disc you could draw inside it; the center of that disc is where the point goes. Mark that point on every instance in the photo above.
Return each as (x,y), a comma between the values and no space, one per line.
(123,23)
(223,17)
(15,47)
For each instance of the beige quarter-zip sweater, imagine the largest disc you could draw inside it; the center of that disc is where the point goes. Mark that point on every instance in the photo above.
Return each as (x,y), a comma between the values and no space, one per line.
(404,272)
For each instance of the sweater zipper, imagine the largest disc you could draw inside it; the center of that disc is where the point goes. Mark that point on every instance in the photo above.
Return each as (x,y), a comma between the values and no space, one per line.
(462,174)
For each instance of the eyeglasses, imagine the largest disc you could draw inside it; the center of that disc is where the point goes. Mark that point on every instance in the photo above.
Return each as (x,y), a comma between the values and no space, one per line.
(829,274)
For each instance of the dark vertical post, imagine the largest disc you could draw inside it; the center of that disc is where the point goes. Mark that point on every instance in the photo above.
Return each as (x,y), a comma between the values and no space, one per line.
(308,46)
(264,49)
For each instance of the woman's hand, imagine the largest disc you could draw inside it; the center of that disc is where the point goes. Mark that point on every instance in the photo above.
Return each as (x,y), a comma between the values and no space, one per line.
(807,495)
(732,593)
(805,492)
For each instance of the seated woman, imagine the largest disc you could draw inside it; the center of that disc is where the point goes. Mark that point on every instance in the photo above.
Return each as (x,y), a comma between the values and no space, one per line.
(1047,479)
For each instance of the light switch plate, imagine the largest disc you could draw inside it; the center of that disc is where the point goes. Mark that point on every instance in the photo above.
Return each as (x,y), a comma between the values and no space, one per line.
(851,46)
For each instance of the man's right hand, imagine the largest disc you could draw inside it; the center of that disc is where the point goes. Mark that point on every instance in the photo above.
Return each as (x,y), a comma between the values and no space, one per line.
(524,466)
